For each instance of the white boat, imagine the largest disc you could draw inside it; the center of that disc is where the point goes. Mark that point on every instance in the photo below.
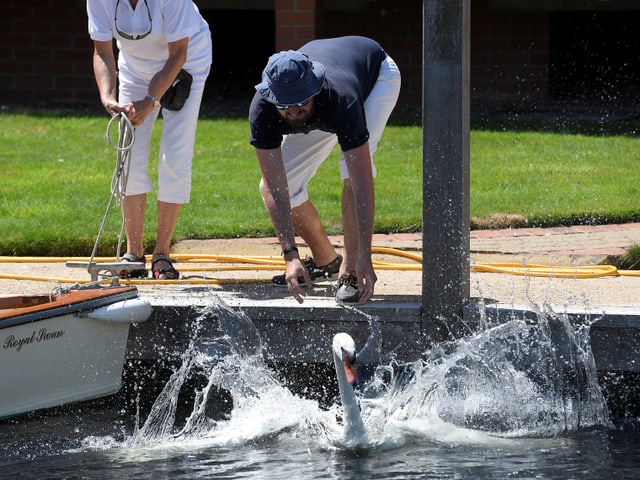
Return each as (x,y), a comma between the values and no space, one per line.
(65,347)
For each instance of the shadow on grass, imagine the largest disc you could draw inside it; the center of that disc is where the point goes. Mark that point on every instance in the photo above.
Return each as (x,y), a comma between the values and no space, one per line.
(586,120)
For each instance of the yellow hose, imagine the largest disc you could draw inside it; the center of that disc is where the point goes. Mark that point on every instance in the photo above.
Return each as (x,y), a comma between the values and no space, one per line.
(224,263)
(533,270)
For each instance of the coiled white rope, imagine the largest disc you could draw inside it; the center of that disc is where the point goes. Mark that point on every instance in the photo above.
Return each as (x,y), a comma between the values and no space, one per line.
(126,138)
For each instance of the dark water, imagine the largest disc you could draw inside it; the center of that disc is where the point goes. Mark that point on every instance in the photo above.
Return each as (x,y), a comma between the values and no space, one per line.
(511,402)
(73,445)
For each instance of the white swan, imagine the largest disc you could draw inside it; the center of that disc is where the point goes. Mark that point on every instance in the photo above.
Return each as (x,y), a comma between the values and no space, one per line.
(344,358)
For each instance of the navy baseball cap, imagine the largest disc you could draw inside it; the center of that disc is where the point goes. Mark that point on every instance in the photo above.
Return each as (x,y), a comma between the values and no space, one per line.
(290,77)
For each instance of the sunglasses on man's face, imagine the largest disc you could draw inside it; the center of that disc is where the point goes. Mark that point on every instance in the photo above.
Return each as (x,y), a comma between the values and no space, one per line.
(126,36)
(286,107)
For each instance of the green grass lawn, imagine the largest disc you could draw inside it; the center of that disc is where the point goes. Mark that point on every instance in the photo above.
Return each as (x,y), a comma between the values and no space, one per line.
(57,171)
(554,178)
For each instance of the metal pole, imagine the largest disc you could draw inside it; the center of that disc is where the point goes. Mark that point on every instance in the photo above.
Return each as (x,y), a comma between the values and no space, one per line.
(445,278)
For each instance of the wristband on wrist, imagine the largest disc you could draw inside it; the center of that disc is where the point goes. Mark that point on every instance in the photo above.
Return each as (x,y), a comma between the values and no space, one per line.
(289,249)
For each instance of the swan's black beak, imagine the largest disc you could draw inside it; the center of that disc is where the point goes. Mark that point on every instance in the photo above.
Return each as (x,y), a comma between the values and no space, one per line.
(349,364)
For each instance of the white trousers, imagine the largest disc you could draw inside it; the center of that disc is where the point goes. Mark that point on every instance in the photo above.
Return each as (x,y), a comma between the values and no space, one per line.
(304,153)
(176,144)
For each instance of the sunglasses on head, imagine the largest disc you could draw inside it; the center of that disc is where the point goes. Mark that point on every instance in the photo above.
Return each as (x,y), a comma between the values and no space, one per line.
(286,107)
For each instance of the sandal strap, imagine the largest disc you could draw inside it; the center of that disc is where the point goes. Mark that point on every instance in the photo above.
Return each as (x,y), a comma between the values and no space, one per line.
(169,272)
(131,257)
(161,257)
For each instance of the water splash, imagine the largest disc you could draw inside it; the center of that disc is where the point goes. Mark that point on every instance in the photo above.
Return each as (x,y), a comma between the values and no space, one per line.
(517,380)
(222,351)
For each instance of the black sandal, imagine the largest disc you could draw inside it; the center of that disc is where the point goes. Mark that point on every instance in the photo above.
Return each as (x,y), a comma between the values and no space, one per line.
(138,273)
(163,273)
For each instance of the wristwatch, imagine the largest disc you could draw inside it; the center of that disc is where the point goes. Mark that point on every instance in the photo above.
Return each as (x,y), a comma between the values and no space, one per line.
(156,102)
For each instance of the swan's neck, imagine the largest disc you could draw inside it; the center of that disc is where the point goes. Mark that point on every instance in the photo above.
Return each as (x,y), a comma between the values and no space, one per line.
(353,425)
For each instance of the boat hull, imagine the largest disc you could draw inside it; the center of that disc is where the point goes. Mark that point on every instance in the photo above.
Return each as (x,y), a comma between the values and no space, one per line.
(67,350)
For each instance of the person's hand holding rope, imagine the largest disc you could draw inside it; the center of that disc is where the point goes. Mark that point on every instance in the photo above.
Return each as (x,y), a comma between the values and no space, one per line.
(114,109)
(136,111)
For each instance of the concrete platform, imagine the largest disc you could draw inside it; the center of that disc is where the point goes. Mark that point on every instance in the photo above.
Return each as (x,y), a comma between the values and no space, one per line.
(215,272)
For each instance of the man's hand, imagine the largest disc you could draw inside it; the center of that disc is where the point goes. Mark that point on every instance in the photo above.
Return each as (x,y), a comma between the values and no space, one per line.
(296,269)
(138,111)
(113,108)
(367,279)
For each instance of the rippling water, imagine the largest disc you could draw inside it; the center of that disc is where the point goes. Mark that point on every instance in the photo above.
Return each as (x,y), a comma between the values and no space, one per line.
(513,401)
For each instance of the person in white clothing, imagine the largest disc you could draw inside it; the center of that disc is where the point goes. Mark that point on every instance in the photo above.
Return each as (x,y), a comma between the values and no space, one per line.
(158,42)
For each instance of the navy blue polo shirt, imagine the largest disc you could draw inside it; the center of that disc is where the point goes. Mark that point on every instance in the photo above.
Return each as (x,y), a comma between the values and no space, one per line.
(352,65)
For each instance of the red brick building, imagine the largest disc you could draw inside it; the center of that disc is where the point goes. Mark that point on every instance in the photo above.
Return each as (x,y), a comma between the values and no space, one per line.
(526,54)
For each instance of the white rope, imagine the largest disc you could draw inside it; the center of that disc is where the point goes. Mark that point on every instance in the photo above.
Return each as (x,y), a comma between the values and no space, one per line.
(126,138)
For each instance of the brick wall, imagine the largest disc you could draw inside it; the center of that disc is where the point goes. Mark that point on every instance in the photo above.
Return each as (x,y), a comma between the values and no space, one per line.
(508,51)
(45,53)
(295,23)
(509,58)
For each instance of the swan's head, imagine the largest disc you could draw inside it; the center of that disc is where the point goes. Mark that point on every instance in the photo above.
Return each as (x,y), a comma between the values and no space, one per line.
(344,355)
